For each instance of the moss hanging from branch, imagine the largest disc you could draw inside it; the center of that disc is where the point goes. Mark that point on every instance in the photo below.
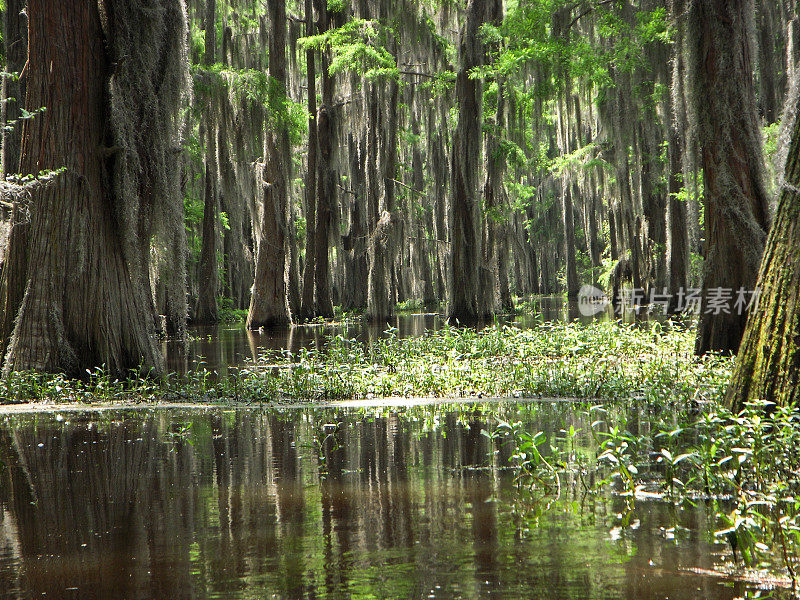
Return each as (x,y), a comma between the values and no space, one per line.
(254,87)
(147,91)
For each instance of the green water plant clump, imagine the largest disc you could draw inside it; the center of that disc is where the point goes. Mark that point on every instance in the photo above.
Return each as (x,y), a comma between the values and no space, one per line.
(743,467)
(602,361)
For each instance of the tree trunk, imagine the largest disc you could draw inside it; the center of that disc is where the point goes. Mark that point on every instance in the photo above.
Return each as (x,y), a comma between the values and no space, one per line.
(172,236)
(85,304)
(466,302)
(421,245)
(677,252)
(768,365)
(383,251)
(594,242)
(379,271)
(677,235)
(206,310)
(231,202)
(495,205)
(15,39)
(569,241)
(440,230)
(269,303)
(355,294)
(307,304)
(326,178)
(13,278)
(326,190)
(654,200)
(771,78)
(14,267)
(293,286)
(724,102)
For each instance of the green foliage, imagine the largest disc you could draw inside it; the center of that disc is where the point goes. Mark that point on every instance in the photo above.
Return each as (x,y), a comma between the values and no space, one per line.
(411,305)
(40,177)
(440,83)
(300,231)
(357,46)
(197,41)
(229,314)
(744,466)
(25,115)
(528,38)
(600,360)
(510,152)
(250,85)
(607,270)
(771,140)
(577,160)
(696,269)
(337,6)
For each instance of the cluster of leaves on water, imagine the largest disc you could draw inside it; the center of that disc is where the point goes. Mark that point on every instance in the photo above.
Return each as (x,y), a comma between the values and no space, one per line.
(744,467)
(601,360)
(597,361)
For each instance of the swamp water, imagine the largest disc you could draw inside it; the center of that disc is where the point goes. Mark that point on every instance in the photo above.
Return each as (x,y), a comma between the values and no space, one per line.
(333,503)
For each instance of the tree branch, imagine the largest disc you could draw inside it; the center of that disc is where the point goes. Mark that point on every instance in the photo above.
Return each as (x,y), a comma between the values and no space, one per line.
(587,11)
(418,73)
(408,187)
(345,190)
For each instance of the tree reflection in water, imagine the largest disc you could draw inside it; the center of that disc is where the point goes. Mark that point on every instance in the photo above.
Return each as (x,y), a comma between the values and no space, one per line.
(313,504)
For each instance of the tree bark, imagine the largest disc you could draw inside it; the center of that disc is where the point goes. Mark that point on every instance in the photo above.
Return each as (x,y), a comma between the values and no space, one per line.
(357,276)
(15,39)
(326,190)
(207,310)
(381,294)
(307,304)
(568,217)
(326,177)
(269,306)
(495,206)
(465,299)
(378,274)
(724,102)
(14,266)
(84,305)
(13,277)
(677,252)
(768,365)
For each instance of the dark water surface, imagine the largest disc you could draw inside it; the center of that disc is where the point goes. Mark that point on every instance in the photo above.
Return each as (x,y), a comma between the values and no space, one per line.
(322,504)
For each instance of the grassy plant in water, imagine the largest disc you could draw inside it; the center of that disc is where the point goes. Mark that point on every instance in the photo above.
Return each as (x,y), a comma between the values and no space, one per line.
(598,361)
(744,467)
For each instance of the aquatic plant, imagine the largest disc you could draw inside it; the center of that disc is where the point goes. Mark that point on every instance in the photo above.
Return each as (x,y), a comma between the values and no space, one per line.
(600,361)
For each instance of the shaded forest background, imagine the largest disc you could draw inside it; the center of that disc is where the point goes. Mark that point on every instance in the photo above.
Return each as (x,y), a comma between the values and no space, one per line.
(377,154)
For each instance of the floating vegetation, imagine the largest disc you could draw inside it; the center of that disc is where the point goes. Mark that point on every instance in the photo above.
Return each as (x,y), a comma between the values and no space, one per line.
(599,361)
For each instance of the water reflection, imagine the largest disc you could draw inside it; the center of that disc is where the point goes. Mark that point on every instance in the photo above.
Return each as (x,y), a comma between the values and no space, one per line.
(316,504)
